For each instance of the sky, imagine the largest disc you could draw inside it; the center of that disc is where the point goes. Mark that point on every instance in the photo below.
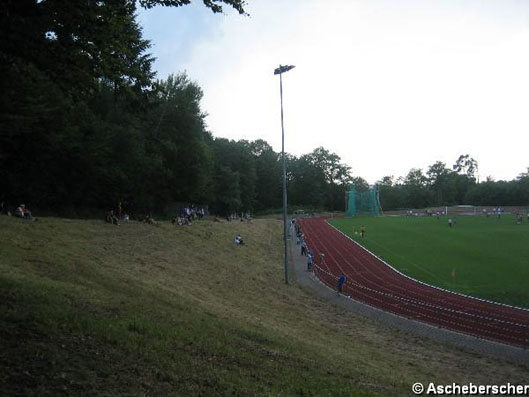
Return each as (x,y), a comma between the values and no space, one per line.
(386,85)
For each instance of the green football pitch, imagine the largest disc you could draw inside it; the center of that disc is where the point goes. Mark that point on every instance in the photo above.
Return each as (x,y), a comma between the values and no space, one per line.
(478,256)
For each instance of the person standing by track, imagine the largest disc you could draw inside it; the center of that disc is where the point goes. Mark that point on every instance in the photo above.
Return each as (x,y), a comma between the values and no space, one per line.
(303,246)
(341,282)
(310,261)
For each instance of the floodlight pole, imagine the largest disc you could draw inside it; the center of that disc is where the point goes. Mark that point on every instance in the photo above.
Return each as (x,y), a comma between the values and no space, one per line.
(280,70)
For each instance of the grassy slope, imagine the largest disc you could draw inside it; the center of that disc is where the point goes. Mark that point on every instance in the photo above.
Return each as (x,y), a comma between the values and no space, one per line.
(89,308)
(489,255)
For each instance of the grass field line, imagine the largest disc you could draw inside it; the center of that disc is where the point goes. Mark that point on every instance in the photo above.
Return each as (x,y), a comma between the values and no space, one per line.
(409,261)
(489,258)
(421,268)
(421,282)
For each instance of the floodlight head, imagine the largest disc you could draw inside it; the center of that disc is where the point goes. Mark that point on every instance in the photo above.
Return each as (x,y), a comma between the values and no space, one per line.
(283,69)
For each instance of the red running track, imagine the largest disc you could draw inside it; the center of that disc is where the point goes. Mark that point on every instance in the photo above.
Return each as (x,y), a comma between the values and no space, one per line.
(371,281)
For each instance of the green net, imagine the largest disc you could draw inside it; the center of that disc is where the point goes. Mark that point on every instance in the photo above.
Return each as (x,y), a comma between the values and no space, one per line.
(363,203)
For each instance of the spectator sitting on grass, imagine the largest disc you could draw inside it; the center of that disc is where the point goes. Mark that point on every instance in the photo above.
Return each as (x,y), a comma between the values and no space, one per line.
(111,218)
(187,221)
(188,214)
(27,214)
(246,217)
(23,212)
(19,212)
(239,240)
(179,221)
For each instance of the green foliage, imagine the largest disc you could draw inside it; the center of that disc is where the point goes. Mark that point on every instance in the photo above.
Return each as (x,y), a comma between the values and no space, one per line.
(466,165)
(440,186)
(307,186)
(450,188)
(177,137)
(235,176)
(319,179)
(71,105)
(214,5)
(268,169)
(84,124)
(360,184)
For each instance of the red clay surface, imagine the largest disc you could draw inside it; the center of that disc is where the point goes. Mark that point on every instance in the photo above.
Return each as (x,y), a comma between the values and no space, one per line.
(371,281)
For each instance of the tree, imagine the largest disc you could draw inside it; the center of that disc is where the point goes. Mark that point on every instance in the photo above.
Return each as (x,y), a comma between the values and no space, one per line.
(69,142)
(78,43)
(83,123)
(415,189)
(466,165)
(237,158)
(334,171)
(488,193)
(392,194)
(523,174)
(462,184)
(307,185)
(416,178)
(214,5)
(360,184)
(388,181)
(268,170)
(177,136)
(337,176)
(227,191)
(439,178)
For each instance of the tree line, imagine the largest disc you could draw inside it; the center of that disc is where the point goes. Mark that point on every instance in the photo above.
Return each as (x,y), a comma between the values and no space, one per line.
(441,186)
(84,123)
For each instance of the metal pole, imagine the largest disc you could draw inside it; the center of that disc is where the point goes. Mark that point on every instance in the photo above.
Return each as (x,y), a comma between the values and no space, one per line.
(280,70)
(284,179)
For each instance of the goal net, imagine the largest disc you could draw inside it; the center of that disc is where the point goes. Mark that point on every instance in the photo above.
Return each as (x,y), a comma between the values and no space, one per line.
(363,203)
